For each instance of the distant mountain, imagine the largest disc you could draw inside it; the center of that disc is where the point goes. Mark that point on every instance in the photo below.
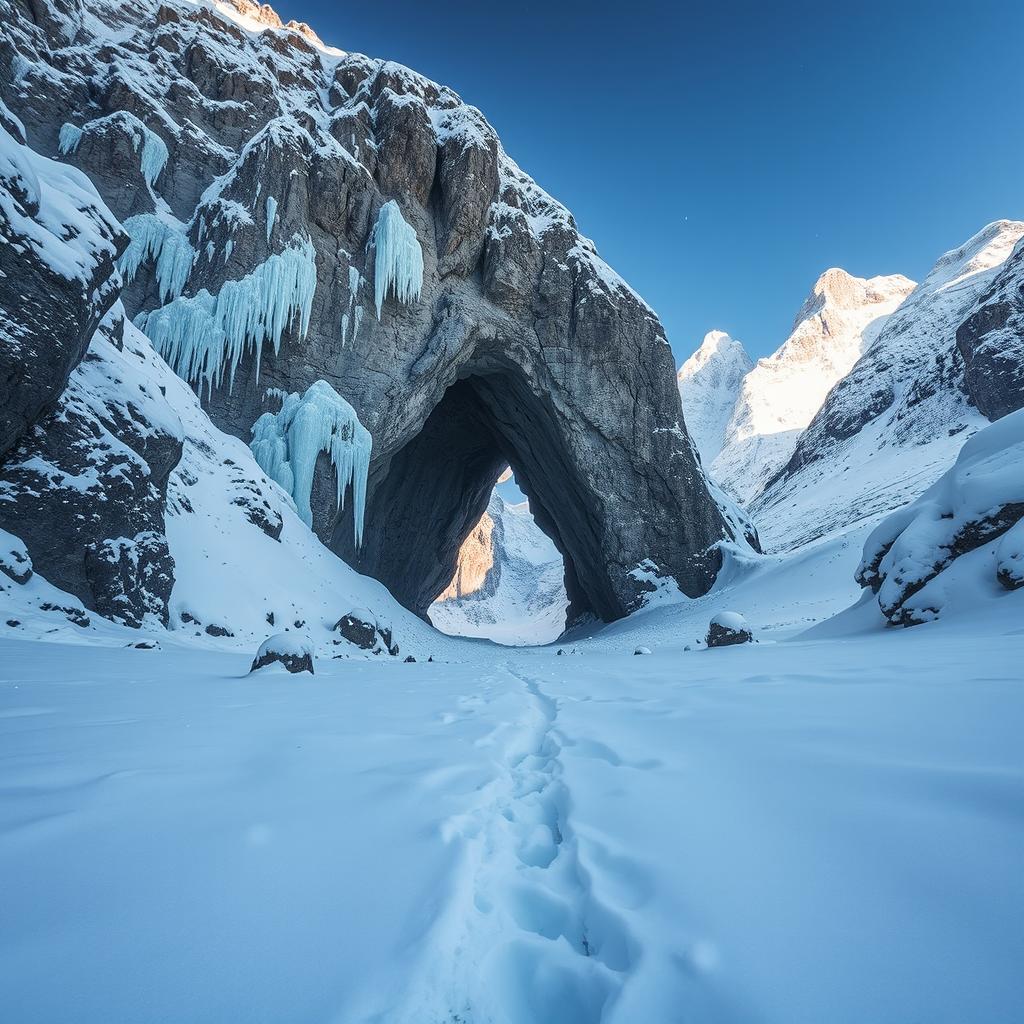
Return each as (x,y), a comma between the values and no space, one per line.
(709,383)
(780,395)
(509,583)
(896,421)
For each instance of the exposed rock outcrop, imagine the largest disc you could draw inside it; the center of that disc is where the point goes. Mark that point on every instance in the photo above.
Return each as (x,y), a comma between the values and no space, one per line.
(991,342)
(522,348)
(58,243)
(86,488)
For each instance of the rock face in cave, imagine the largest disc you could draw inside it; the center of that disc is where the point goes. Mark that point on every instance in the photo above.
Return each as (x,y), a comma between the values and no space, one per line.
(227,139)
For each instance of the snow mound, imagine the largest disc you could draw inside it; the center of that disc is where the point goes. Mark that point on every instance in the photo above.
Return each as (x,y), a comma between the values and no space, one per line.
(977,504)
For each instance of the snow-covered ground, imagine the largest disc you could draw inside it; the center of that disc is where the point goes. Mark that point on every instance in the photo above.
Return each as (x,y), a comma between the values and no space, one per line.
(813,828)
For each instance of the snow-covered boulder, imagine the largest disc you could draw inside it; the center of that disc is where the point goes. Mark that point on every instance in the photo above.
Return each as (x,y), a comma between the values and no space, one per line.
(727,629)
(362,628)
(639,651)
(977,504)
(14,558)
(292,650)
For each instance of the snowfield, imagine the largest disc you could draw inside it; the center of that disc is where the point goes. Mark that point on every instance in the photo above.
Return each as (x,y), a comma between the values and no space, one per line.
(817,827)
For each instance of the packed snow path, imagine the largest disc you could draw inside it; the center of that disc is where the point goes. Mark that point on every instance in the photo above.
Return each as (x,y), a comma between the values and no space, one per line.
(793,832)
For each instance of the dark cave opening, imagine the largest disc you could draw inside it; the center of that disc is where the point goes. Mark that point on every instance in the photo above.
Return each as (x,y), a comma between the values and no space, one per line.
(425,499)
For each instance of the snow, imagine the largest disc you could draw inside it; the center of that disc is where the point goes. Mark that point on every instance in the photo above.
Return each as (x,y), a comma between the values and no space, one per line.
(398,262)
(729,620)
(964,508)
(203,335)
(287,444)
(153,239)
(511,836)
(294,644)
(70,230)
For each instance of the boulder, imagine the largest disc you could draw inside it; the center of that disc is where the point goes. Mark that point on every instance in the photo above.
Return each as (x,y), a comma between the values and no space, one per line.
(293,651)
(727,629)
(361,628)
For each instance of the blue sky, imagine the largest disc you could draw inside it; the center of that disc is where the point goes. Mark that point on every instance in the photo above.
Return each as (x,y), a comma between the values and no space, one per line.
(723,155)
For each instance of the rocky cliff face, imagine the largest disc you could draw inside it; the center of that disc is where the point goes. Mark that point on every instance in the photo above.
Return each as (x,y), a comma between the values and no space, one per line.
(709,385)
(896,422)
(59,243)
(299,214)
(991,342)
(781,394)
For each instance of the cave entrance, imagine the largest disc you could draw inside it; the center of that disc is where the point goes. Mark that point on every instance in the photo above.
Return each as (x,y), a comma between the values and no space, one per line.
(426,498)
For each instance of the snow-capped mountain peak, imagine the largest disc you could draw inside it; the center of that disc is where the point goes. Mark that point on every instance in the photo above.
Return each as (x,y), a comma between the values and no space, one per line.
(836,324)
(709,382)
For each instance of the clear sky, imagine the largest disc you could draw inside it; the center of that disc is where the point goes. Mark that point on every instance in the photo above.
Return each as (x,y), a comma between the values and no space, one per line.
(723,154)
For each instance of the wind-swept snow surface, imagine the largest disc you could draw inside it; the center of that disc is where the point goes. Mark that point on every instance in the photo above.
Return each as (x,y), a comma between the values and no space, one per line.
(522,838)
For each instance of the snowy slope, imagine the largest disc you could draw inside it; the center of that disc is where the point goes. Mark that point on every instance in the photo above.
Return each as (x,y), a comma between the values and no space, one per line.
(509,585)
(780,395)
(523,838)
(245,564)
(709,384)
(898,419)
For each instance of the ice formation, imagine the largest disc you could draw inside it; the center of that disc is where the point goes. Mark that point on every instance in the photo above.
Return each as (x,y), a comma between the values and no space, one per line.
(399,260)
(164,244)
(154,149)
(271,215)
(203,334)
(354,314)
(287,444)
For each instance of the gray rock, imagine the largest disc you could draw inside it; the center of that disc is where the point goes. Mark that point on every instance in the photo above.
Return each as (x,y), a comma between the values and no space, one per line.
(991,341)
(295,653)
(728,629)
(524,348)
(53,292)
(86,489)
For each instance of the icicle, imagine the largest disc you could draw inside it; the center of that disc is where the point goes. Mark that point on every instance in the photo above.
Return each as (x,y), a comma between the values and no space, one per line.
(287,444)
(210,250)
(168,248)
(271,215)
(357,321)
(398,266)
(69,138)
(154,155)
(354,280)
(202,335)
(229,248)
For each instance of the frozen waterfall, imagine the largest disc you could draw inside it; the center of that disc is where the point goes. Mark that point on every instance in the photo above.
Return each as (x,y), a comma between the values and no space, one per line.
(399,257)
(164,244)
(287,444)
(203,334)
